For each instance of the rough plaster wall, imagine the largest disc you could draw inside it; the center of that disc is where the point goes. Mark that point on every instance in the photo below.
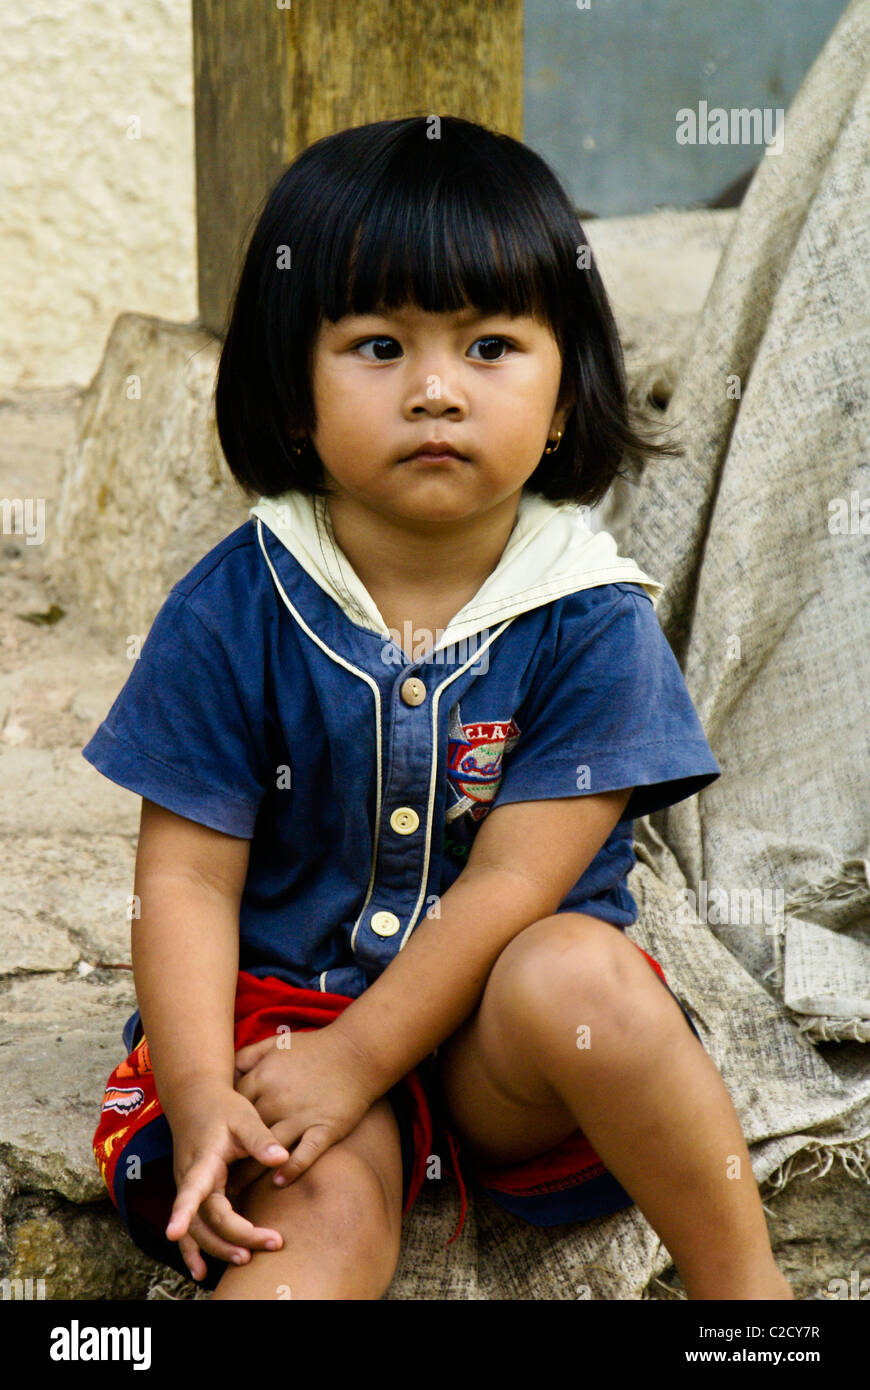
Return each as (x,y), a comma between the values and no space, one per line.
(93,223)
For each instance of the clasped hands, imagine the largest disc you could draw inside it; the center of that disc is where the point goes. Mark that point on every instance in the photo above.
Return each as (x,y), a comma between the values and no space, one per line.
(295,1094)
(311,1088)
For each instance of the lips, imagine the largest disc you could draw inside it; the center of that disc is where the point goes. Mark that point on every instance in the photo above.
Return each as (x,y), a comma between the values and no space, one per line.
(435,450)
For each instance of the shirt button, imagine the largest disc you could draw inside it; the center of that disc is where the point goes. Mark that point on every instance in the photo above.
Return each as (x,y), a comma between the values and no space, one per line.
(404,820)
(412,691)
(385,923)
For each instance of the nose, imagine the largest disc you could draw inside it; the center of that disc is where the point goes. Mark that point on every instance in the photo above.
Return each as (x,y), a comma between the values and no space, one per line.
(436,389)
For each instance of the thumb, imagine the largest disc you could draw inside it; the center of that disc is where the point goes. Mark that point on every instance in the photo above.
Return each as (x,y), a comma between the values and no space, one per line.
(259,1141)
(312,1143)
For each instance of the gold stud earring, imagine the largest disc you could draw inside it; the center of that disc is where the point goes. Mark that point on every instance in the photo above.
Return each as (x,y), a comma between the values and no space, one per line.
(299,449)
(551,449)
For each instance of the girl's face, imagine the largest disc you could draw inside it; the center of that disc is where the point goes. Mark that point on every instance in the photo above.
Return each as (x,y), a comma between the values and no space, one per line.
(385,385)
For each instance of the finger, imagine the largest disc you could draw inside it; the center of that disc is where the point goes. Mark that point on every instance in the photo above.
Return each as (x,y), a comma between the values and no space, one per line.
(256,1139)
(248,1056)
(314,1142)
(192,1257)
(232,1231)
(256,1049)
(242,1237)
(284,1134)
(246,1086)
(198,1182)
(209,1243)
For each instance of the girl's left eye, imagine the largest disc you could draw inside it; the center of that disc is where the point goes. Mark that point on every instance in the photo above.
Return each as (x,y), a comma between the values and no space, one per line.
(493,339)
(496,339)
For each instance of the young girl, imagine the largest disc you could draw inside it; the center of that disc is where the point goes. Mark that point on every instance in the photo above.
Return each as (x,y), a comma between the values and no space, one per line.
(391,735)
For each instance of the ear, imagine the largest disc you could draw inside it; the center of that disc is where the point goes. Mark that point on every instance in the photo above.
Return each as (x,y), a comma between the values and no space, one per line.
(560,417)
(563,409)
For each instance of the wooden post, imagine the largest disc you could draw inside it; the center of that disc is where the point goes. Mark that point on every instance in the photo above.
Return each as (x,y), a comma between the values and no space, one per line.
(270,78)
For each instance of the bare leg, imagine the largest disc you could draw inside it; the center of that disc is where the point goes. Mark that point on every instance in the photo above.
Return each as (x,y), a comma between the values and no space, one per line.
(341,1222)
(646,1094)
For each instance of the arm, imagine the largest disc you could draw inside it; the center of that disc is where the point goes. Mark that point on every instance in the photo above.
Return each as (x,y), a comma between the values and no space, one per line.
(185,948)
(523,861)
(525,858)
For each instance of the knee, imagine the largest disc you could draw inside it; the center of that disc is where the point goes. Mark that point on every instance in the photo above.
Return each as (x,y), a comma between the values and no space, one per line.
(349,1196)
(342,1197)
(570,968)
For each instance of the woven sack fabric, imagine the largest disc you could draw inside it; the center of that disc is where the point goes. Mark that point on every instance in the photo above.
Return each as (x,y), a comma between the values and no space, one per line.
(754,895)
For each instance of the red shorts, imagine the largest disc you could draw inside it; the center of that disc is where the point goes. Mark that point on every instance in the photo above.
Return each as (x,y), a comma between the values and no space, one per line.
(133,1142)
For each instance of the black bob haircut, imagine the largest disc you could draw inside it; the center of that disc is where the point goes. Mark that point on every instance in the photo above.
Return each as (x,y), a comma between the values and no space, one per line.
(383,215)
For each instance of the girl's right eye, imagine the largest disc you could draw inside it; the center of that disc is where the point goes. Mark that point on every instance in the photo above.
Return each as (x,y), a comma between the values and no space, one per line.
(365,343)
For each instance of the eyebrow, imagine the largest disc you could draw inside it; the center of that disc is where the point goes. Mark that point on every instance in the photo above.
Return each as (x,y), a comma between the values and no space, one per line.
(462,318)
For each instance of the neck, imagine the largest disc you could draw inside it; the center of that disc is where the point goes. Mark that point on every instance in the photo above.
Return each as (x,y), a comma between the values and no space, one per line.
(457,553)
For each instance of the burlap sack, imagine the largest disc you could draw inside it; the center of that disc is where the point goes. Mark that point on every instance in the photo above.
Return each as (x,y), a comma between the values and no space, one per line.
(767,607)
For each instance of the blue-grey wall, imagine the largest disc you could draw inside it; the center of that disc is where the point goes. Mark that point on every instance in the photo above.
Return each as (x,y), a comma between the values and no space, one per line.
(603,86)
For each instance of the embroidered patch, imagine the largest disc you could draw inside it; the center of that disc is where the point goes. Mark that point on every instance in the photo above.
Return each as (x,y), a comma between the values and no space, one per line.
(474,762)
(124,1099)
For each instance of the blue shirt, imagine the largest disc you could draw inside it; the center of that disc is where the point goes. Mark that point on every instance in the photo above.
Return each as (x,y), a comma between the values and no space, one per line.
(269,702)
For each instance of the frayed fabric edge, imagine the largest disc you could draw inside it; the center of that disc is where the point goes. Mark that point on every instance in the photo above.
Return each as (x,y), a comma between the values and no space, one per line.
(815,1027)
(851,882)
(854,1156)
(821,1028)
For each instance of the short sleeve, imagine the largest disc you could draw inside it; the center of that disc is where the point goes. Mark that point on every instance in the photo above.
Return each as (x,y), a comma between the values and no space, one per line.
(612,711)
(183,730)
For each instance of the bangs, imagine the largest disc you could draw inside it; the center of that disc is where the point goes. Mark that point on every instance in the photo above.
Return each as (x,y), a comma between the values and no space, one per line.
(439,227)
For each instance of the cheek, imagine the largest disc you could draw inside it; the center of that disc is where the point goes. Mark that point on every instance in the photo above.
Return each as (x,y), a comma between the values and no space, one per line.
(521,406)
(334,403)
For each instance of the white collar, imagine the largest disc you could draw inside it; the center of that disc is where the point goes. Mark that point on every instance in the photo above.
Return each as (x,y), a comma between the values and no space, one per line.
(550,552)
